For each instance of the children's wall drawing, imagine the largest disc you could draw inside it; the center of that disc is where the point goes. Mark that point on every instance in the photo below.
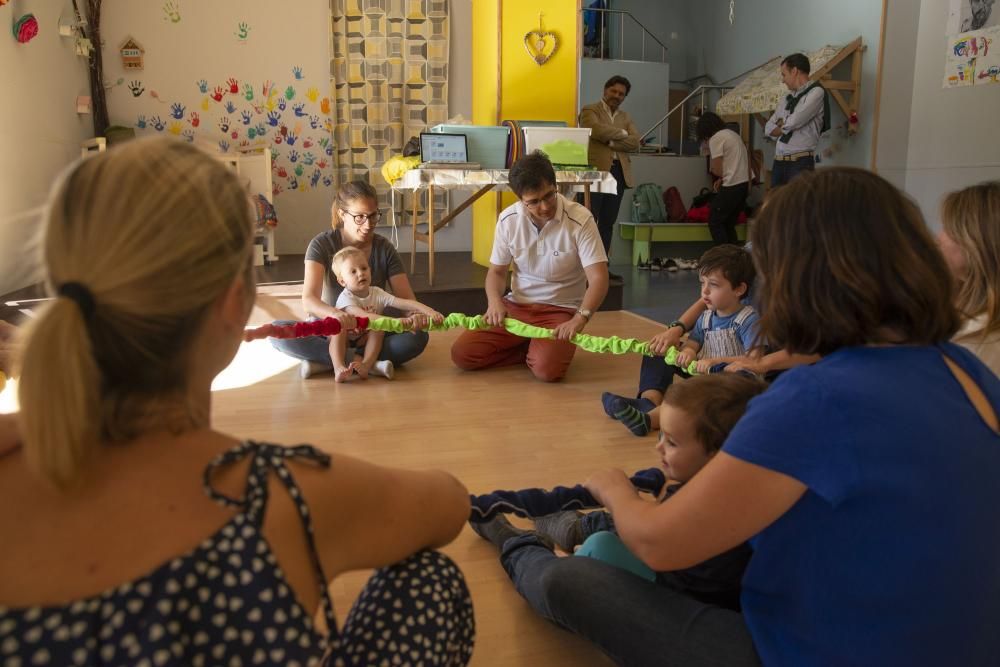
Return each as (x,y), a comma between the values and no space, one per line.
(239,114)
(973,58)
(221,96)
(131,53)
(172,11)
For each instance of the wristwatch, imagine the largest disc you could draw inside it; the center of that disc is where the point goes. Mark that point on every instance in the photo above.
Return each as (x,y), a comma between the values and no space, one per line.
(585,313)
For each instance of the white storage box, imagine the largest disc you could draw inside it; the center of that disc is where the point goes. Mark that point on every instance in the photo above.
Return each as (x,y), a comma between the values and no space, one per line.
(564,145)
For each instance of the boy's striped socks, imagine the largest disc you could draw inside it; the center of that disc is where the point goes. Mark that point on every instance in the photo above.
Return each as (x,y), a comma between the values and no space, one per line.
(632,412)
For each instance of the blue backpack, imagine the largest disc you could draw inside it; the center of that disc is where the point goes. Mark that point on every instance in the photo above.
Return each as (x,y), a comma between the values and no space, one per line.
(647,204)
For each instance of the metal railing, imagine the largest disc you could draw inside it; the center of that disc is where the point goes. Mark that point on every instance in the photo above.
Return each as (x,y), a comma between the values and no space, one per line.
(606,19)
(681,107)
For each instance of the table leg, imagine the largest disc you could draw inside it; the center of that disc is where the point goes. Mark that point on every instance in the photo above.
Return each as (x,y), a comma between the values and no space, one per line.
(586,195)
(430,234)
(413,241)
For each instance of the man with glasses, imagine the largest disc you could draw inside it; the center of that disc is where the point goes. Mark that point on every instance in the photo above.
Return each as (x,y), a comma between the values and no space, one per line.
(560,277)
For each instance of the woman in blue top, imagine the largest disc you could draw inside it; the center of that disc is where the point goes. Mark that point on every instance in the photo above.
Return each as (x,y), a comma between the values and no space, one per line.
(866,482)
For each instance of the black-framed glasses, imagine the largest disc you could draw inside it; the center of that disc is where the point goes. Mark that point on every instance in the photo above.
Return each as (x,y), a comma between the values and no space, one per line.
(546,199)
(365,218)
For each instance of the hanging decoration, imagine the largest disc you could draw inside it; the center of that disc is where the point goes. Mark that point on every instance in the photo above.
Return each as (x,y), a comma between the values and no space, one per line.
(131,53)
(539,44)
(25,28)
(732,10)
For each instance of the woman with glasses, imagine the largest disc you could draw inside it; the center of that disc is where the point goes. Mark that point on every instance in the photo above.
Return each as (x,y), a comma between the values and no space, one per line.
(355,213)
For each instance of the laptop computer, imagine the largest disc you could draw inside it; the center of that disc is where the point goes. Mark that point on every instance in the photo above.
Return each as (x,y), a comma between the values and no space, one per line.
(445,151)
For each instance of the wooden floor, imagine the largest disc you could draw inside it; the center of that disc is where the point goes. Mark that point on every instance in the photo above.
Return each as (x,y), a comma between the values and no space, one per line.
(492,429)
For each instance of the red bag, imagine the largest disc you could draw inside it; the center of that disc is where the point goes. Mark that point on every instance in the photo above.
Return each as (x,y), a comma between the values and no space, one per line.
(699,213)
(676,211)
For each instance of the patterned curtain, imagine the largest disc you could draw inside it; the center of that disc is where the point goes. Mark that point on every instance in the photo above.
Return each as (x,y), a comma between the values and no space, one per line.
(389,75)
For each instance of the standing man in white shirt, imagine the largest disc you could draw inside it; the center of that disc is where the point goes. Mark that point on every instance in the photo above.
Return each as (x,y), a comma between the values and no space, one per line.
(560,277)
(730,164)
(798,122)
(612,136)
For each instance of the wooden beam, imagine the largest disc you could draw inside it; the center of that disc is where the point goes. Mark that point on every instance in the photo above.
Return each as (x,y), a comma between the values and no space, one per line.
(841,102)
(878,87)
(835,84)
(837,59)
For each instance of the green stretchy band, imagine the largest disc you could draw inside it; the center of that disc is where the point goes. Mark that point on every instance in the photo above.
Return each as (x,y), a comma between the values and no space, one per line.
(596,344)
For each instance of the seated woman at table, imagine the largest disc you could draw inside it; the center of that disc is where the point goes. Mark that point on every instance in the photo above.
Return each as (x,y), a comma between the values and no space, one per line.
(354,216)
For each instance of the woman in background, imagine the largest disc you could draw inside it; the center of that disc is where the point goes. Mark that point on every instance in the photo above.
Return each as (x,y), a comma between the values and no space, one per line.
(970,241)
(355,214)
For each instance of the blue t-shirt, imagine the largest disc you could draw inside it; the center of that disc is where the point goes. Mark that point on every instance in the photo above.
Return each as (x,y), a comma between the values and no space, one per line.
(892,556)
(745,331)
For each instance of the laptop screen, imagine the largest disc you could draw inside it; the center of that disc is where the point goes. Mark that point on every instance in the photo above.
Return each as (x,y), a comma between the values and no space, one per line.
(443,147)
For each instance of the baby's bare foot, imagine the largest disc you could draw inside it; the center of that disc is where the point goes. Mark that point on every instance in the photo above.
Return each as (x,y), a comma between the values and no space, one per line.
(342,374)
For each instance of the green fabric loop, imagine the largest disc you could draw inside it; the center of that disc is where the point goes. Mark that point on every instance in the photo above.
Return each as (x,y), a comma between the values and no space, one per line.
(595,344)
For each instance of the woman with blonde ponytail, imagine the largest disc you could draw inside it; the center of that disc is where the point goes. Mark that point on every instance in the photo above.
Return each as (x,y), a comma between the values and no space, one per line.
(113,552)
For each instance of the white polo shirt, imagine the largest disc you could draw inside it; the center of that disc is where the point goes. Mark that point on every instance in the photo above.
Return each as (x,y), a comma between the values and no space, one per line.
(548,263)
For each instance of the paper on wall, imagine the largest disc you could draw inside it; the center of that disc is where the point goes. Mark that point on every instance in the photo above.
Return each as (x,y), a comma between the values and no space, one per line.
(972,58)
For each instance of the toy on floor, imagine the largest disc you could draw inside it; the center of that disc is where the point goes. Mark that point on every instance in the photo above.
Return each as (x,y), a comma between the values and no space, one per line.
(596,344)
(534,503)
(328,326)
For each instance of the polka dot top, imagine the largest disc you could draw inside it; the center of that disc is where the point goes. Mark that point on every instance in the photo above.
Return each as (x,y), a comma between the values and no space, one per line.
(226,602)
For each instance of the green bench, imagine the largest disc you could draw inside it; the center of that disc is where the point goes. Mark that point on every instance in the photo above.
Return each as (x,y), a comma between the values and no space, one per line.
(643,234)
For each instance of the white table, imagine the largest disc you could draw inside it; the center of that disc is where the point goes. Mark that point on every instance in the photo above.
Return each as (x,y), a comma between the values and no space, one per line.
(479,183)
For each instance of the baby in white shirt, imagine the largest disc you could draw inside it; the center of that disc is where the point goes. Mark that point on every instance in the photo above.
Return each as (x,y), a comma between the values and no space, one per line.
(361,298)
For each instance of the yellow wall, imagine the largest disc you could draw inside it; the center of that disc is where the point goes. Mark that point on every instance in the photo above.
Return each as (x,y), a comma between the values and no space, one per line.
(527,91)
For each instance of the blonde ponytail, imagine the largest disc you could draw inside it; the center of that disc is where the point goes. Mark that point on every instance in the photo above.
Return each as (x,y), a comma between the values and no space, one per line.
(65,383)
(155,231)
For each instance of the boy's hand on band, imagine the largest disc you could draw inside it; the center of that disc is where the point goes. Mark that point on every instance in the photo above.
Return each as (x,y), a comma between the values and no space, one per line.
(663,341)
(685,357)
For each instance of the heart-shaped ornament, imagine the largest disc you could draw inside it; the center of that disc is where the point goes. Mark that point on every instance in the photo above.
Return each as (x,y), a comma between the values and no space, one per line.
(541,45)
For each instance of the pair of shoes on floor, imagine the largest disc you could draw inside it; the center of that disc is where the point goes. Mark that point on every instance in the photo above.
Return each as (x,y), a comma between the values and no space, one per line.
(686,264)
(384,369)
(657,264)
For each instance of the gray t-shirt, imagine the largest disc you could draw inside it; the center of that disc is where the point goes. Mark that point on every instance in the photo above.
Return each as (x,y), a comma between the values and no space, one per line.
(383,260)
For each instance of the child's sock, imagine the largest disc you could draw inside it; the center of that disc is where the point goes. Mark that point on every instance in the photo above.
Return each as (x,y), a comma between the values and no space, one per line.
(383,368)
(497,530)
(613,404)
(635,420)
(309,368)
(630,411)
(563,528)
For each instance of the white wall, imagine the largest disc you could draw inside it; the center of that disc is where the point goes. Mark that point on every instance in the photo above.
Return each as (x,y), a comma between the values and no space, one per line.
(953,140)
(39,128)
(896,100)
